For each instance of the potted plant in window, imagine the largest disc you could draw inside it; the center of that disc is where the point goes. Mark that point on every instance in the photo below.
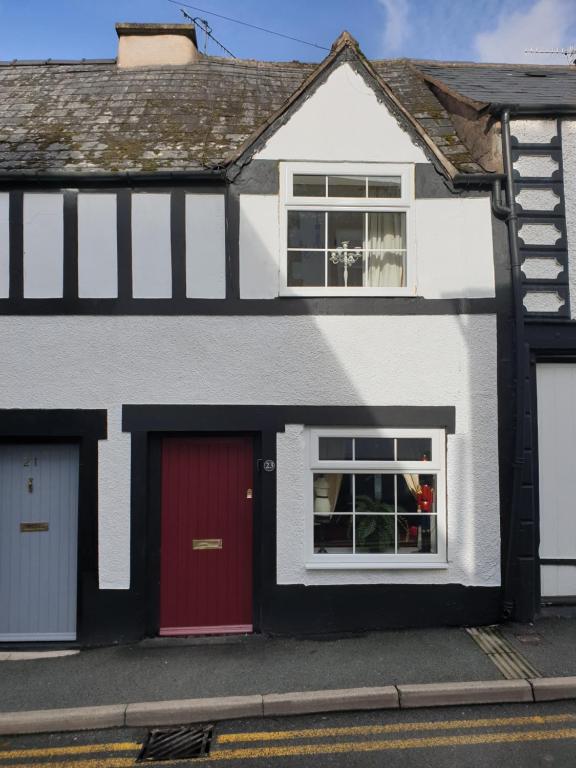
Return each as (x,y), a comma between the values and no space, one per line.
(375,532)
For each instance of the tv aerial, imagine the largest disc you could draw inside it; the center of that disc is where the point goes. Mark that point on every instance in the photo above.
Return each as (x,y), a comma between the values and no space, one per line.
(569,52)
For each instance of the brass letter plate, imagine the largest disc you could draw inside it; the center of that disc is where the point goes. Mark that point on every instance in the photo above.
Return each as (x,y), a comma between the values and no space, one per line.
(206,543)
(33,527)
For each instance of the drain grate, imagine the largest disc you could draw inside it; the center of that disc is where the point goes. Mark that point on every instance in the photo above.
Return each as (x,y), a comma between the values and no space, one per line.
(502,653)
(176,743)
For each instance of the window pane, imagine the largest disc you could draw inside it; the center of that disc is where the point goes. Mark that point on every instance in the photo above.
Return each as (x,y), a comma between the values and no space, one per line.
(375,533)
(386,231)
(333,535)
(305,229)
(306,268)
(417,534)
(414,449)
(342,274)
(384,186)
(346,186)
(376,448)
(345,227)
(337,448)
(386,270)
(332,493)
(416,493)
(374,493)
(307,185)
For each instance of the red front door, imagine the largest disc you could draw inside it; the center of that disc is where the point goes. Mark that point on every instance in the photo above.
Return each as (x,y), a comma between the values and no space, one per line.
(206,546)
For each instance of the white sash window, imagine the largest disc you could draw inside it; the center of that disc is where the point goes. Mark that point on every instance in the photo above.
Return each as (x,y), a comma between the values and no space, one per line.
(377,498)
(347,230)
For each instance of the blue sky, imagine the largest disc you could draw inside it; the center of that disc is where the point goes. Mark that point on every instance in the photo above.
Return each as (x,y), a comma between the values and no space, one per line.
(479,30)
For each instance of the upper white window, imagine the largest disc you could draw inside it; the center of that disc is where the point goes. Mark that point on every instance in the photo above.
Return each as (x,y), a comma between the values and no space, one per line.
(346,229)
(377,498)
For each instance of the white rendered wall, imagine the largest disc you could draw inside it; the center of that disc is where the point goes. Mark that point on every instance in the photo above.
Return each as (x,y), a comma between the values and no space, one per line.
(342,121)
(151,246)
(259,246)
(107,361)
(453,244)
(569,163)
(205,247)
(97,246)
(454,248)
(43,246)
(4,246)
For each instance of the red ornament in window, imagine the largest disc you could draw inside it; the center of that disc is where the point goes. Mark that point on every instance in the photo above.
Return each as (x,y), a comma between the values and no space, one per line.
(425,498)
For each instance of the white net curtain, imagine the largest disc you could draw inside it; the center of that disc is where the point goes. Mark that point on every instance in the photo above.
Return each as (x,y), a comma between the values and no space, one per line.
(386,250)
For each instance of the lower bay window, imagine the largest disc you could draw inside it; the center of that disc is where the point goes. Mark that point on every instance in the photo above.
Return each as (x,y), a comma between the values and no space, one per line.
(377,498)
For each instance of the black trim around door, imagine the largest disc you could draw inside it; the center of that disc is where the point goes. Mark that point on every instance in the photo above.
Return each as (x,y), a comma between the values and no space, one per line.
(86,428)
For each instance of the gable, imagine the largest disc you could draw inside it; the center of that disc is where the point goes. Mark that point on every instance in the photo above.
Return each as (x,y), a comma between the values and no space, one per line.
(342,120)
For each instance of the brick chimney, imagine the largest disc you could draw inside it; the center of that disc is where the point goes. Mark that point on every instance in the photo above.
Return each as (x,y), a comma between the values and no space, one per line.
(149,45)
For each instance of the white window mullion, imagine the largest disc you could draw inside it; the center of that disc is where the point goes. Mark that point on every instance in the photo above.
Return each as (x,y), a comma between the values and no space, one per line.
(326,244)
(395,513)
(354,514)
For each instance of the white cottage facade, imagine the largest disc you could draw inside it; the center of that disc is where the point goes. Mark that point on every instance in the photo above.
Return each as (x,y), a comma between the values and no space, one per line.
(250,387)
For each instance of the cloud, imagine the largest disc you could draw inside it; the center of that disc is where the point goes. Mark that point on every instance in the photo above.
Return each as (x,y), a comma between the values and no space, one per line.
(544,24)
(396,24)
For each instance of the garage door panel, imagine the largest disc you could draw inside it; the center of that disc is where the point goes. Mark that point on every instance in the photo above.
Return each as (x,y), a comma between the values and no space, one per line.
(557,472)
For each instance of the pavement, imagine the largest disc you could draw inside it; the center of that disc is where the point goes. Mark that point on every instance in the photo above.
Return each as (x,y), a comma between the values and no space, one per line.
(186,681)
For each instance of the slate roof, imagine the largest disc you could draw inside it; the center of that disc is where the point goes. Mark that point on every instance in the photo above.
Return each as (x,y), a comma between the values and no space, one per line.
(95,117)
(90,116)
(517,84)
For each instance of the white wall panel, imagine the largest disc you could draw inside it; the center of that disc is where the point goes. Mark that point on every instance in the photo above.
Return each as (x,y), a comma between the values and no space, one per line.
(536,165)
(538,199)
(259,246)
(307,360)
(537,268)
(451,263)
(205,247)
(534,131)
(539,234)
(342,120)
(97,246)
(43,246)
(151,246)
(543,301)
(4,245)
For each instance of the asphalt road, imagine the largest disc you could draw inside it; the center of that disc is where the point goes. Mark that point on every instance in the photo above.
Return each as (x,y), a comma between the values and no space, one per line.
(529,736)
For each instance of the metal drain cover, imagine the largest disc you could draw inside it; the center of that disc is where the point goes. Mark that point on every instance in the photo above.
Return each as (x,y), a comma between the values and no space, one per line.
(182,743)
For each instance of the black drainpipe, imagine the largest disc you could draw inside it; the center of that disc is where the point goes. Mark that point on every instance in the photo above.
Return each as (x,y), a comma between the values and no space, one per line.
(510,576)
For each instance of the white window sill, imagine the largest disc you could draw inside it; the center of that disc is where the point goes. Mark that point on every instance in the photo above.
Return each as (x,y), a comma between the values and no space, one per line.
(376,566)
(354,292)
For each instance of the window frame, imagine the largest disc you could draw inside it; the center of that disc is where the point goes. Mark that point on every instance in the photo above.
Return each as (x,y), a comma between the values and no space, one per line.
(352,561)
(402,204)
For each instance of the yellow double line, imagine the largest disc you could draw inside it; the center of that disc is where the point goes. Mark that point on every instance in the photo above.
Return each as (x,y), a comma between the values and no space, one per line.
(112,754)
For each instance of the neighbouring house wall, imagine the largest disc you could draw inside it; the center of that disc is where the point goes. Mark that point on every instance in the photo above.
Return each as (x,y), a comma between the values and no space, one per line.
(106,361)
(569,166)
(539,195)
